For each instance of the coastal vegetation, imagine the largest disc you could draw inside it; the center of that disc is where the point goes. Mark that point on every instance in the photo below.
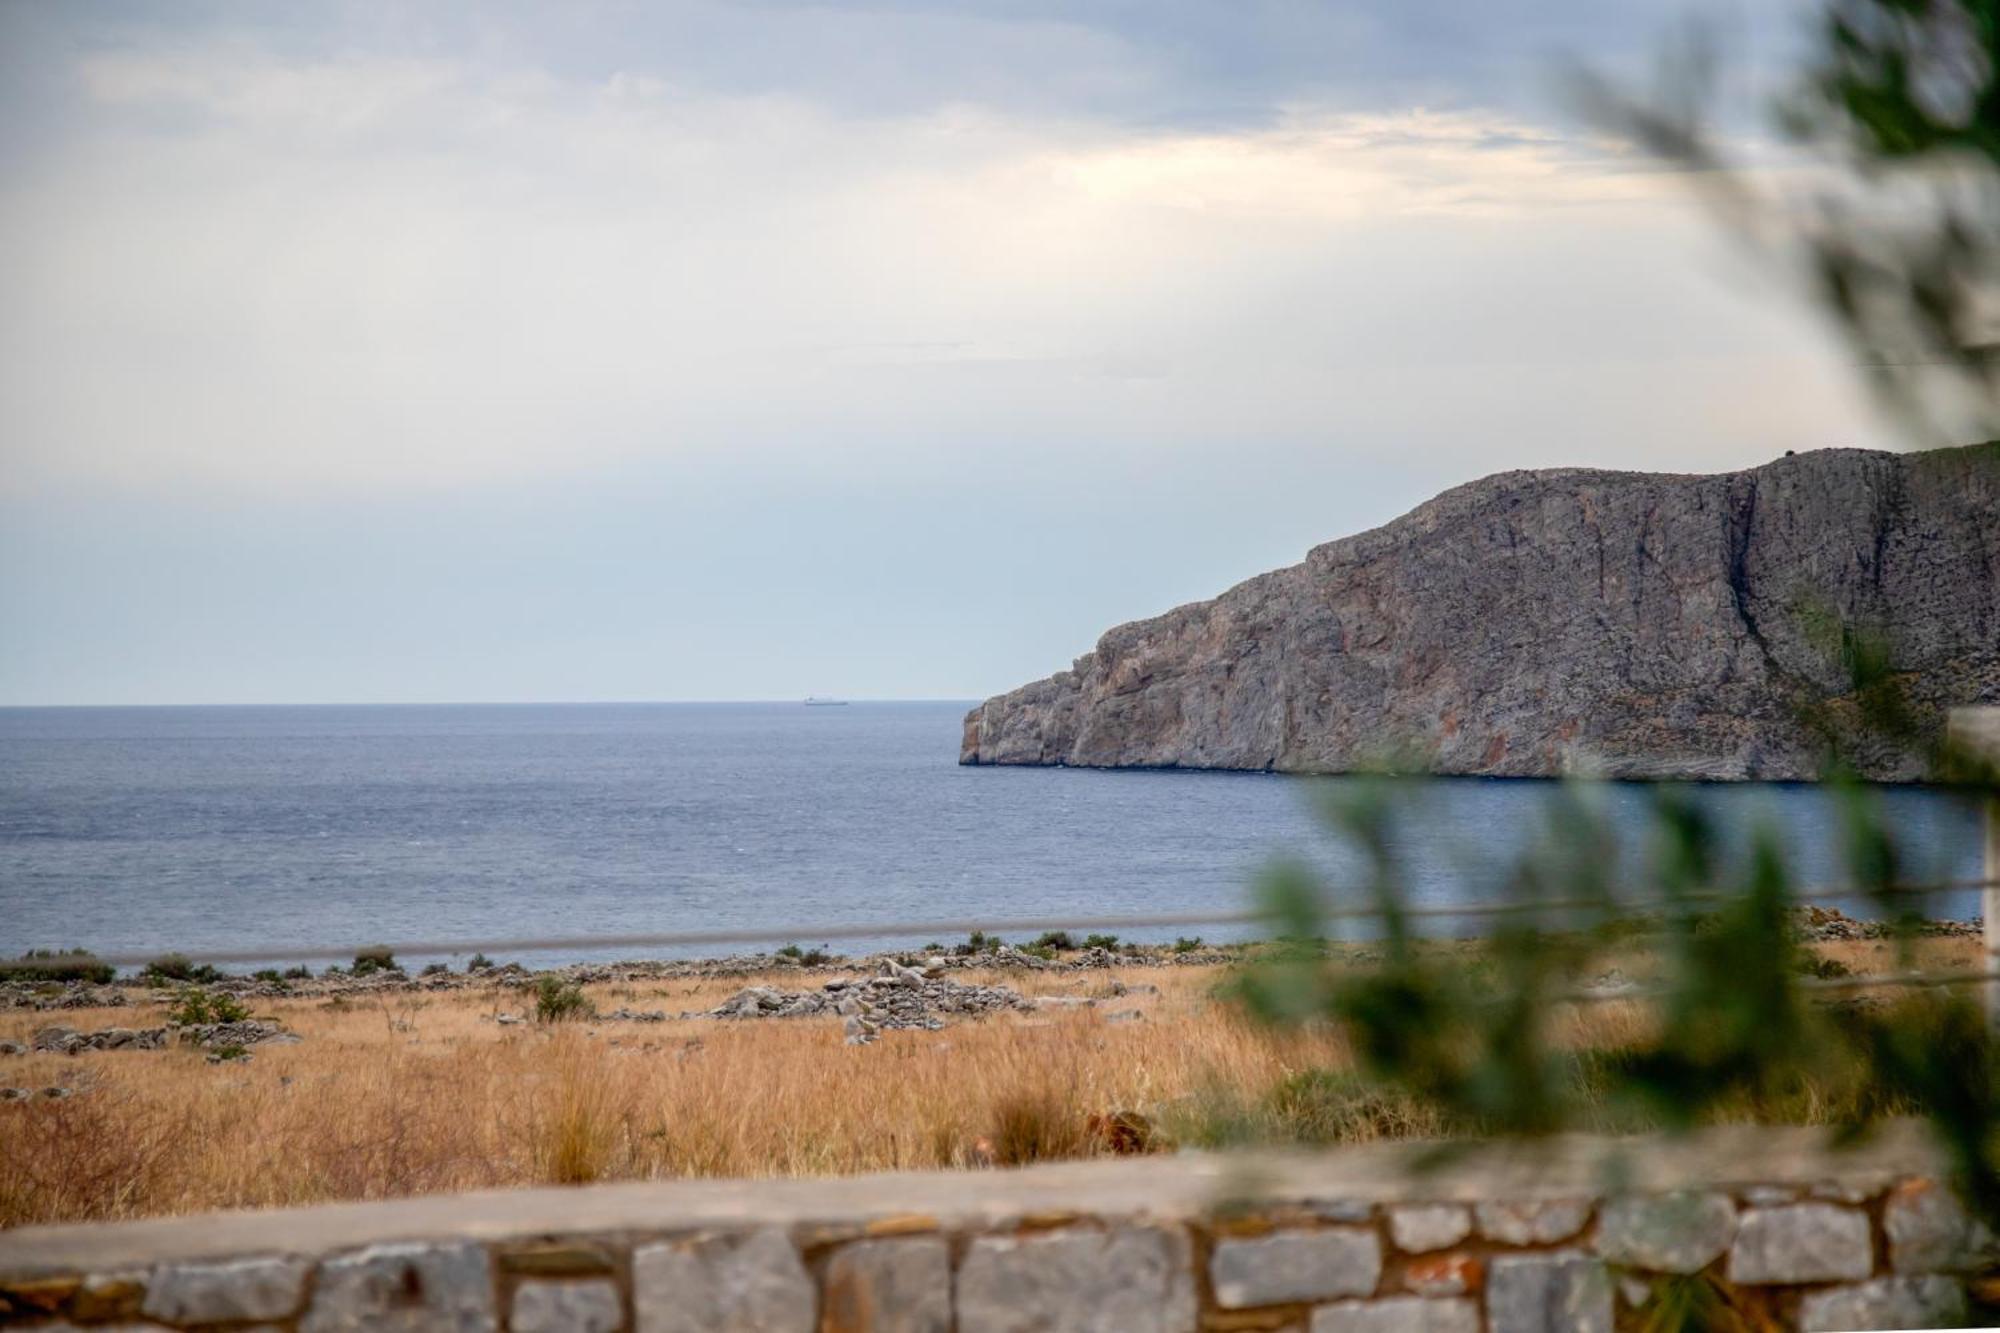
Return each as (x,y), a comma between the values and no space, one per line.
(400,1090)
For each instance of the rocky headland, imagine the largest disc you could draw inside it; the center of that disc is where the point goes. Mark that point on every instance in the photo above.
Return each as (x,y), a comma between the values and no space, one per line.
(1632,625)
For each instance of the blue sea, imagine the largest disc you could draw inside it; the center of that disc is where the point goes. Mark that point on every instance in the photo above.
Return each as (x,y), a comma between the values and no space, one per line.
(143,830)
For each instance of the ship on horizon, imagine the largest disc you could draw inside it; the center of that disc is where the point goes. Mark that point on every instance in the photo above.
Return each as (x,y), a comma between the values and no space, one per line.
(814,701)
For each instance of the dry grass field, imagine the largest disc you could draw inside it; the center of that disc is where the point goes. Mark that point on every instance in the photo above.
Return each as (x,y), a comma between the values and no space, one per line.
(418,1092)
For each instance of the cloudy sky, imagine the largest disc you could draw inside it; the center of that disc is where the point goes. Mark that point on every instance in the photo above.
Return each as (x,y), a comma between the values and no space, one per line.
(748,350)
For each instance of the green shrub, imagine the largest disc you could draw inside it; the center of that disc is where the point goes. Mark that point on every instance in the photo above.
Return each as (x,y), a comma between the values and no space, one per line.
(62,965)
(558,1001)
(1053,939)
(197,1007)
(178,967)
(266,974)
(1188,944)
(978,942)
(233,1051)
(479,963)
(1041,951)
(437,970)
(300,973)
(375,958)
(807,957)
(1100,941)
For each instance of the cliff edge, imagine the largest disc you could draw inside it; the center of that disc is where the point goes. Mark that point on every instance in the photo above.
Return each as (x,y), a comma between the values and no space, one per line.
(1629,624)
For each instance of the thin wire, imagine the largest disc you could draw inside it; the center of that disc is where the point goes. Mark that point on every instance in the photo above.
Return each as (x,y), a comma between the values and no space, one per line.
(827,932)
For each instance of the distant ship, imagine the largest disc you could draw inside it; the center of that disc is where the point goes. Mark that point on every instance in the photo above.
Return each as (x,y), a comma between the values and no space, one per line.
(814,701)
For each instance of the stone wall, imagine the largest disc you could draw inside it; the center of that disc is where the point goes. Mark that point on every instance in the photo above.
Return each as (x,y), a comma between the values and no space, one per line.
(1353,1241)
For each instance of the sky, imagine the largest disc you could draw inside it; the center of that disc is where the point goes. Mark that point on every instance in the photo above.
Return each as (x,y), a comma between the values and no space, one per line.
(616,351)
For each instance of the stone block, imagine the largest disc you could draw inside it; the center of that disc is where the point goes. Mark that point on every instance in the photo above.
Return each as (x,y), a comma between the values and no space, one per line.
(404,1288)
(752,1283)
(1890,1302)
(1801,1242)
(1132,1279)
(233,1291)
(1930,1231)
(1397,1314)
(1538,1223)
(1288,1266)
(544,1306)
(889,1286)
(1543,1293)
(1420,1228)
(1666,1233)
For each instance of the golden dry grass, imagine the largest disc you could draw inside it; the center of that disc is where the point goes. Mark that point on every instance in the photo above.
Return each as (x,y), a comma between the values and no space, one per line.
(424,1092)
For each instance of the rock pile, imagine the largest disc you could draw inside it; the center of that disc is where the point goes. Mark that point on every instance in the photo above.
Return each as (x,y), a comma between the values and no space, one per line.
(896,997)
(68,1041)
(246,1032)
(1821,924)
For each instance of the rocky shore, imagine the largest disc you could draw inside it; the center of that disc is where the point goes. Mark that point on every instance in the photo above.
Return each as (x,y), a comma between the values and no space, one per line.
(1815,924)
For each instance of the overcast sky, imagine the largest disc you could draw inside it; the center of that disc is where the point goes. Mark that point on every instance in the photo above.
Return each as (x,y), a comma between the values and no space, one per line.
(716,351)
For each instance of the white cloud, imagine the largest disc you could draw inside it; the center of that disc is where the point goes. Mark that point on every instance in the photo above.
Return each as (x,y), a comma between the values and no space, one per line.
(251,272)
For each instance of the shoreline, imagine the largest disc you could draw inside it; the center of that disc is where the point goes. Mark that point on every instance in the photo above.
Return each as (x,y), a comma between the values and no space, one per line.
(1816,925)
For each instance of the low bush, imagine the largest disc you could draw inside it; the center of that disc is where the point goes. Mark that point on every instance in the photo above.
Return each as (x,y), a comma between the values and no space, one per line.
(197,1007)
(178,967)
(300,973)
(558,1001)
(978,942)
(375,958)
(806,957)
(61,965)
(1100,941)
(1188,944)
(479,963)
(1053,939)
(437,970)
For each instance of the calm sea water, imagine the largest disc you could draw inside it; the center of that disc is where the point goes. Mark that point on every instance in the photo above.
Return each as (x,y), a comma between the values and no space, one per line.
(149,829)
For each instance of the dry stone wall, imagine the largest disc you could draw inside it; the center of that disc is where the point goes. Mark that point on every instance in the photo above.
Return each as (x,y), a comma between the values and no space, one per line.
(1346,1242)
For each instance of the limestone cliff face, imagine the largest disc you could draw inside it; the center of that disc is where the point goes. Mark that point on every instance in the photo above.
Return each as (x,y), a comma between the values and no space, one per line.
(1533,623)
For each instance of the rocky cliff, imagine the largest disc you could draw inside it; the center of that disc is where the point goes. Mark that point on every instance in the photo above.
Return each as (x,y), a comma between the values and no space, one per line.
(1533,623)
